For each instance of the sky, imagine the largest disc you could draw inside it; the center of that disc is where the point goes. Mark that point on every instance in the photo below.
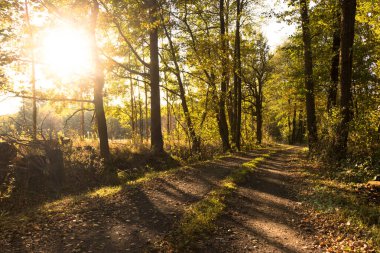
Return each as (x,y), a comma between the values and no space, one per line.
(276,32)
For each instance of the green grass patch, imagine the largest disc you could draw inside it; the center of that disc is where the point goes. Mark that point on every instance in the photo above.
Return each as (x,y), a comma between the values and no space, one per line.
(199,219)
(346,204)
(156,174)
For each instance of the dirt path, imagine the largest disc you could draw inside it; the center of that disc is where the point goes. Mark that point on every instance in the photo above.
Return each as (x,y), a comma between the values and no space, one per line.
(131,219)
(263,215)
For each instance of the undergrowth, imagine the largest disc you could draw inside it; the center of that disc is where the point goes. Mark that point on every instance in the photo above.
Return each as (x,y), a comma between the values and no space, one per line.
(338,191)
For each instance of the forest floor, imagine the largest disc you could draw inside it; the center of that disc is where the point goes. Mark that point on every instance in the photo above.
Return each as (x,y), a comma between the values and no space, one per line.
(245,202)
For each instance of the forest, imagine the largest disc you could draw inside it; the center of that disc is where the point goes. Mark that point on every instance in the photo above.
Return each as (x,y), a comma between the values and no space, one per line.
(189,126)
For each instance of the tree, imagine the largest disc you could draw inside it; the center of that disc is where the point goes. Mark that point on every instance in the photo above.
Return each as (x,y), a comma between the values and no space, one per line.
(98,85)
(195,141)
(334,73)
(255,76)
(236,126)
(154,71)
(222,120)
(346,57)
(308,72)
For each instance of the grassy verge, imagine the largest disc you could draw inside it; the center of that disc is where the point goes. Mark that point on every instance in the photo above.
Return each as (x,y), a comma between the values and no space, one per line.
(347,208)
(67,203)
(199,218)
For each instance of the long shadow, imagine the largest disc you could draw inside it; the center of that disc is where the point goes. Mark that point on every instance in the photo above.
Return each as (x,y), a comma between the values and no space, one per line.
(130,221)
(264,180)
(259,235)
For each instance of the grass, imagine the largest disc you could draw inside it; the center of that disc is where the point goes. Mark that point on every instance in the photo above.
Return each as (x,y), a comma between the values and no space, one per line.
(347,205)
(105,192)
(345,202)
(199,219)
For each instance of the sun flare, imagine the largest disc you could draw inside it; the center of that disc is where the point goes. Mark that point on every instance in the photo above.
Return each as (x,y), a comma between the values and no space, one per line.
(66,52)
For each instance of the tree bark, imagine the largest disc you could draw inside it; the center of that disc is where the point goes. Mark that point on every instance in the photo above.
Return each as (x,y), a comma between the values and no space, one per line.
(259,108)
(259,123)
(334,73)
(309,82)
(222,121)
(167,114)
(346,53)
(237,81)
(98,88)
(294,124)
(289,123)
(300,130)
(157,141)
(132,107)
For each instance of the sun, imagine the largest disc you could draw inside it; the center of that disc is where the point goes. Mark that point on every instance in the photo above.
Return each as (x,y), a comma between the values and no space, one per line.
(66,52)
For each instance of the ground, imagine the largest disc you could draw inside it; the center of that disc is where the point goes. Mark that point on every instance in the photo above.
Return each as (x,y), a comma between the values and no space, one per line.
(261,214)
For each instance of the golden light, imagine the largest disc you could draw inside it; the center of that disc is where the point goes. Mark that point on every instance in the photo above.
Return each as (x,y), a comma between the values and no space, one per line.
(66,52)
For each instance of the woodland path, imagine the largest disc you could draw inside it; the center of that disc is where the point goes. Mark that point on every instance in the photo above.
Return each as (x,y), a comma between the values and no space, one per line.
(262,215)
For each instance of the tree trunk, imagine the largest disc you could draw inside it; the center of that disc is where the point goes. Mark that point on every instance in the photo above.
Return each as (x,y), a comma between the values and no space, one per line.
(133,118)
(334,74)
(289,123)
(195,141)
(259,123)
(167,114)
(146,110)
(309,82)
(229,97)
(237,81)
(259,111)
(82,128)
(33,74)
(294,123)
(222,121)
(98,88)
(346,53)
(157,141)
(300,129)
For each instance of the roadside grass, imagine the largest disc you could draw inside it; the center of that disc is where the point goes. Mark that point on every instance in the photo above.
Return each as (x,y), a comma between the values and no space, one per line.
(347,206)
(344,202)
(199,218)
(66,203)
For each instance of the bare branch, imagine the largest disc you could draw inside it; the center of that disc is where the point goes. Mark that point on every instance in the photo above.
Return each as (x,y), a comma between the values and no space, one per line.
(74,113)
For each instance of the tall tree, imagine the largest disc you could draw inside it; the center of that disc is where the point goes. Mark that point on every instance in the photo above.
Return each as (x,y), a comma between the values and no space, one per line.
(346,56)
(98,85)
(222,121)
(334,72)
(261,70)
(33,72)
(156,138)
(195,141)
(308,71)
(236,132)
